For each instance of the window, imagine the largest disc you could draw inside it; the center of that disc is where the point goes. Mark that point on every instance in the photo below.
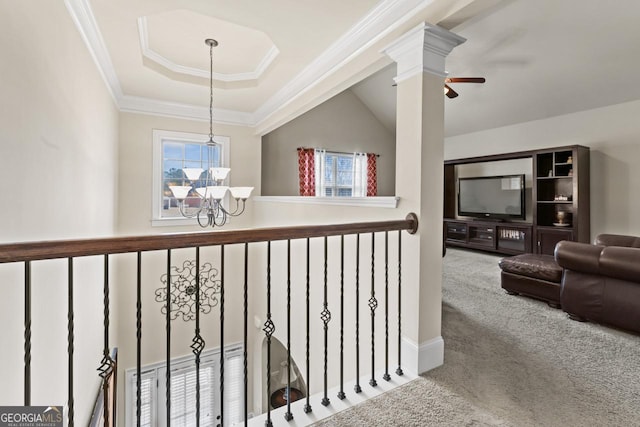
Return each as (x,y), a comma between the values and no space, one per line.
(183,391)
(173,151)
(340,174)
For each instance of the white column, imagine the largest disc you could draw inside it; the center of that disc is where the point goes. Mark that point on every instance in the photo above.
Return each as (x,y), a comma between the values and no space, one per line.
(420,56)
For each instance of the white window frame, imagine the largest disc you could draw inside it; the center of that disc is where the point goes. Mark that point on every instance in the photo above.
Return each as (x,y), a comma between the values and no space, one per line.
(358,186)
(159,136)
(157,373)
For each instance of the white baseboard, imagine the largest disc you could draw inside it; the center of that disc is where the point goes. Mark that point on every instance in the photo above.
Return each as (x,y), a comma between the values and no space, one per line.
(418,359)
(336,405)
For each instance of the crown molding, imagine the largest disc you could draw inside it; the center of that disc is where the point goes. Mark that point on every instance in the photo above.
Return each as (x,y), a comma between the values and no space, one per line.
(383,19)
(423,49)
(154,56)
(85,22)
(140,105)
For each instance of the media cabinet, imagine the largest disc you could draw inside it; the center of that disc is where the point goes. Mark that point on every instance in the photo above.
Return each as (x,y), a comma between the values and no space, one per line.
(503,237)
(560,183)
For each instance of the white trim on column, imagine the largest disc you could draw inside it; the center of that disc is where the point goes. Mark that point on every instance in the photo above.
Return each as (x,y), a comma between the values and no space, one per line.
(422,50)
(418,359)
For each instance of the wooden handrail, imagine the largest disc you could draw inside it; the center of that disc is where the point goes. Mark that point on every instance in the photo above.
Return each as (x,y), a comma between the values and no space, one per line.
(32,251)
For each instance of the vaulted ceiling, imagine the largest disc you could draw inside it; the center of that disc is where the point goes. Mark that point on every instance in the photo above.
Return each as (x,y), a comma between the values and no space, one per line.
(278,58)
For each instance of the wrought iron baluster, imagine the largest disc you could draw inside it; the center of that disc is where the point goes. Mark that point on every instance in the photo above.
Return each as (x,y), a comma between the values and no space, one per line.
(307,406)
(357,387)
(27,333)
(386,375)
(341,394)
(288,415)
(139,340)
(222,335)
(399,370)
(70,338)
(269,329)
(246,334)
(106,364)
(168,349)
(197,344)
(325,315)
(373,304)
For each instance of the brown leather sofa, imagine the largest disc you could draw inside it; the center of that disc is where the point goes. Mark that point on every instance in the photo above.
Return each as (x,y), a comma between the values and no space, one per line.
(601,282)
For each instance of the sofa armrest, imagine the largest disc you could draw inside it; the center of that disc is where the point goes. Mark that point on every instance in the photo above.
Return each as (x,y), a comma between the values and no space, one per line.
(578,256)
(617,240)
(611,261)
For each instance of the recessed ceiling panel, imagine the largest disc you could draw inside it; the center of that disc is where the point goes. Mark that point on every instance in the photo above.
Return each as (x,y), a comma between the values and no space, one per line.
(242,54)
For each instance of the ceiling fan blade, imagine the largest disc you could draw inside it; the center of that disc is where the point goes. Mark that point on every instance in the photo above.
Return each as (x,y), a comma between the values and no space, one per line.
(450,92)
(465,80)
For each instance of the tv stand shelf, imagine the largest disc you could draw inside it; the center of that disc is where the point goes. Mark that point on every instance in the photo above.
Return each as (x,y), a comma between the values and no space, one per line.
(507,238)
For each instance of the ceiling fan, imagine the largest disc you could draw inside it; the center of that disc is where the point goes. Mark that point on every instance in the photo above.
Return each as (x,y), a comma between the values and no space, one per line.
(452,93)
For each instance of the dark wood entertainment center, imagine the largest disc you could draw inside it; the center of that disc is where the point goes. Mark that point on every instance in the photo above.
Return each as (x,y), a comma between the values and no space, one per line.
(560,183)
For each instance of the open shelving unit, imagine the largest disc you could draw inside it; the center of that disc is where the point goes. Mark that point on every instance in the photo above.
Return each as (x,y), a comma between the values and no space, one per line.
(561,196)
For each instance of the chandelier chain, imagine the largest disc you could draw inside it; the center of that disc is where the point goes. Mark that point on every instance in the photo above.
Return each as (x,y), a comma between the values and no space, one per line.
(211,93)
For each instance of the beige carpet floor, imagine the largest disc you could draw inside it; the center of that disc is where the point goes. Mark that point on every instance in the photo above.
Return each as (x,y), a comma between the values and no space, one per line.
(512,361)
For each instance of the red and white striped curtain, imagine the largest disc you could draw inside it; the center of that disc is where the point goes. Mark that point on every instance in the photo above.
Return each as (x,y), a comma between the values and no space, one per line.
(306,171)
(372,175)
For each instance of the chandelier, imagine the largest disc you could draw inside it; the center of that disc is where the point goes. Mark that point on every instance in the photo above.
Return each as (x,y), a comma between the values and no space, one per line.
(207,191)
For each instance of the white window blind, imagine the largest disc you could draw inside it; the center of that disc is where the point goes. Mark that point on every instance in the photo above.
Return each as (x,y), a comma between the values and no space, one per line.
(234,387)
(147,396)
(183,391)
(183,395)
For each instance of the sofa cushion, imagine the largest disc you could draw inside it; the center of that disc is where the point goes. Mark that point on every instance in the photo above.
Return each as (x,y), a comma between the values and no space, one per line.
(541,267)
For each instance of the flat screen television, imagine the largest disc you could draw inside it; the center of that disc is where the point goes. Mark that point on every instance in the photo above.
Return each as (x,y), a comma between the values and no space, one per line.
(499,197)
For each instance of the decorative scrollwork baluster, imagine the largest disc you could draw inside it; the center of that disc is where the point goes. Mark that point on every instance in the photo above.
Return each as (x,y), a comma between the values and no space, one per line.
(107,363)
(307,405)
(341,394)
(288,415)
(139,339)
(325,315)
(269,328)
(197,344)
(222,335)
(246,334)
(167,321)
(70,346)
(386,375)
(373,304)
(27,333)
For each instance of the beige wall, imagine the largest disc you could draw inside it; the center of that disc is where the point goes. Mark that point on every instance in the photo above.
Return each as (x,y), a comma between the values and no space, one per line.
(611,132)
(342,123)
(135,154)
(58,148)
(134,217)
